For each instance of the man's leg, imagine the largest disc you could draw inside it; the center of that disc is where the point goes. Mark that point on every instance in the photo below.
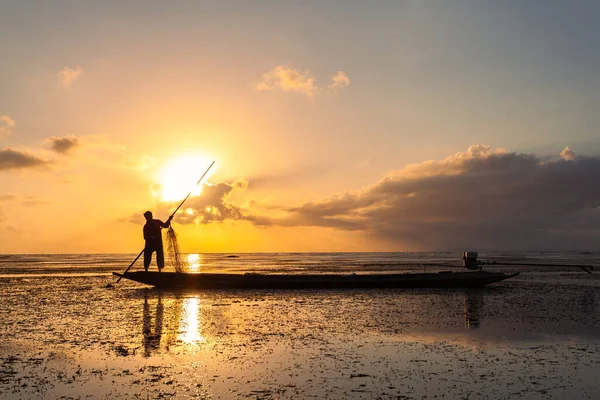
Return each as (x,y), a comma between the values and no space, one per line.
(160,258)
(147,257)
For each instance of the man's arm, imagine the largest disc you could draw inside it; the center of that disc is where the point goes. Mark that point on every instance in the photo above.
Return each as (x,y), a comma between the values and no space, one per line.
(168,223)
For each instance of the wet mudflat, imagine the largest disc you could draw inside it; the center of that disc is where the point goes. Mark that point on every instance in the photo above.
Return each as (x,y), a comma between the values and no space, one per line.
(72,337)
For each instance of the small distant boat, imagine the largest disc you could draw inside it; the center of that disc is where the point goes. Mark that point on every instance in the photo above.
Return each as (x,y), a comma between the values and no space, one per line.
(445,279)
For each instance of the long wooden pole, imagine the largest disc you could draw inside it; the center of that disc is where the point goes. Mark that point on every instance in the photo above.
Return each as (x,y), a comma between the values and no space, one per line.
(130,265)
(173,214)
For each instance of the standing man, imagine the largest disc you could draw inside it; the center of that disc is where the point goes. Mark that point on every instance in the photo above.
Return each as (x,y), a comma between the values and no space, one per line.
(153,238)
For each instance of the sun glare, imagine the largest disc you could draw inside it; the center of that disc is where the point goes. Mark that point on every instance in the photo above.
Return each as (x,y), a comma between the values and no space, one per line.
(191,326)
(179,177)
(194,262)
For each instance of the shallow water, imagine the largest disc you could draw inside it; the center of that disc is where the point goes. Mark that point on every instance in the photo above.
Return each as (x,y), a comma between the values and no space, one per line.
(66,334)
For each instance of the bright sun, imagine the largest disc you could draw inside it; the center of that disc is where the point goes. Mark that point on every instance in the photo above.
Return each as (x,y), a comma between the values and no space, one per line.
(179,177)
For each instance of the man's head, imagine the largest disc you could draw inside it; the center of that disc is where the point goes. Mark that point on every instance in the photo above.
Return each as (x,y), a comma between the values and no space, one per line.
(148,215)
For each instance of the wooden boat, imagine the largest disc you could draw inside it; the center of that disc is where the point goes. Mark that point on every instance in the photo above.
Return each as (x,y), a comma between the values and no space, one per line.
(446,279)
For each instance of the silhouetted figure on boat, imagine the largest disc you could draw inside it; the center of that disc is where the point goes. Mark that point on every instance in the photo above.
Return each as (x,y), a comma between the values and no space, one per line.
(153,238)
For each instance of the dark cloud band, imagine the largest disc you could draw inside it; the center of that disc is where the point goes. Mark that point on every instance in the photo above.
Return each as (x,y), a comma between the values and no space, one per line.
(483,198)
(11,159)
(63,145)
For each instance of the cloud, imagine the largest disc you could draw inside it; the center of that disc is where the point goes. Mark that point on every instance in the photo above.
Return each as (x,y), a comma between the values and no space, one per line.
(7,197)
(26,200)
(339,80)
(451,165)
(567,154)
(140,163)
(482,198)
(211,206)
(68,76)
(289,80)
(99,150)
(63,145)
(6,125)
(13,159)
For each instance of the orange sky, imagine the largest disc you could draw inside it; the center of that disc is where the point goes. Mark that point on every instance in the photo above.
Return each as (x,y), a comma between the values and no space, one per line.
(334,127)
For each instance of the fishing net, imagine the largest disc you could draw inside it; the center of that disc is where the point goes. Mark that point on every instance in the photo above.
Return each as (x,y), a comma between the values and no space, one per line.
(173,253)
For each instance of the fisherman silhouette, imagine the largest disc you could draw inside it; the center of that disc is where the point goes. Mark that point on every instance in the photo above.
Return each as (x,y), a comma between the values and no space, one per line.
(153,238)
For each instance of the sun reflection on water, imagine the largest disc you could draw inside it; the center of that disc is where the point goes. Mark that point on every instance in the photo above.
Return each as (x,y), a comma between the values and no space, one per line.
(191,322)
(194,262)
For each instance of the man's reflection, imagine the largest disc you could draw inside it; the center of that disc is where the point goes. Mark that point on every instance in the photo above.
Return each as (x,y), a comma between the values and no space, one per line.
(180,324)
(473,307)
(151,339)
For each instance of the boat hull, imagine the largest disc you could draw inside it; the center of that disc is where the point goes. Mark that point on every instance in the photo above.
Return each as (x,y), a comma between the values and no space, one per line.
(174,280)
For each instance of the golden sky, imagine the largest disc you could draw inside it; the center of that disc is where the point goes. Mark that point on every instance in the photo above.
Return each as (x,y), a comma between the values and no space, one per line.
(336,126)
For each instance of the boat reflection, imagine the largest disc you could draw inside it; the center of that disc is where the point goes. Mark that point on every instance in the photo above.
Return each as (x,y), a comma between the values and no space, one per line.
(473,305)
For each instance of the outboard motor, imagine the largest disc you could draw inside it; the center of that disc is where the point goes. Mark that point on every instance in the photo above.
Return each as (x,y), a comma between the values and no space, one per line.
(470,260)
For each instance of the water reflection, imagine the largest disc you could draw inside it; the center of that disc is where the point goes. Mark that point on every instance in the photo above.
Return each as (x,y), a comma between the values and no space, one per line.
(473,308)
(194,262)
(151,337)
(191,321)
(185,321)
(172,322)
(588,301)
